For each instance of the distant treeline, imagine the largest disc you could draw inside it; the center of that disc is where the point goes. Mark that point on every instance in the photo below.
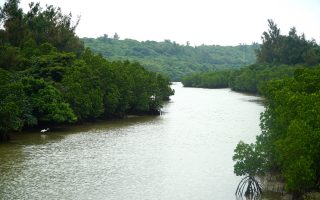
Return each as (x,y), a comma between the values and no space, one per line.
(279,56)
(172,59)
(248,79)
(48,77)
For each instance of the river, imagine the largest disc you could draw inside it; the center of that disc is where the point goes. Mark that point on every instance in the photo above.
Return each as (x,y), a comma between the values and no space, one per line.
(184,154)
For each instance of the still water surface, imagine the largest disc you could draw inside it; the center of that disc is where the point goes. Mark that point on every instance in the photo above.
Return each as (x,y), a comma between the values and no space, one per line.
(184,154)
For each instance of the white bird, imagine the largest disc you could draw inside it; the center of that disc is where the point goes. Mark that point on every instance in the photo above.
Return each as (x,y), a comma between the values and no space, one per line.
(44,130)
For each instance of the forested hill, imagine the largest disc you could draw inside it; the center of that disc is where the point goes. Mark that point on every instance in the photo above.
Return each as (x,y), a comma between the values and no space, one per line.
(172,59)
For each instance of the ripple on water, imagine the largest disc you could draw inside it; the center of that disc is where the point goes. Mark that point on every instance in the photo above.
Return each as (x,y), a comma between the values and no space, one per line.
(184,154)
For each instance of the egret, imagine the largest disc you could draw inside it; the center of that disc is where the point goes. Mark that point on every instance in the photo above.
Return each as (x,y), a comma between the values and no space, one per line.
(44,130)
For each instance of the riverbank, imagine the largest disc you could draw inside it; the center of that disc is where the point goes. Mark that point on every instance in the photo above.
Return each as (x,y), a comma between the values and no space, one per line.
(274,183)
(67,126)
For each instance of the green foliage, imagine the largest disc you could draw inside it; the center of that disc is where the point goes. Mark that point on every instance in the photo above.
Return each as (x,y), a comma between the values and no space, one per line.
(250,79)
(290,50)
(47,78)
(218,79)
(48,25)
(249,159)
(290,138)
(14,107)
(247,79)
(172,59)
(82,92)
(278,57)
(46,102)
(300,175)
(30,101)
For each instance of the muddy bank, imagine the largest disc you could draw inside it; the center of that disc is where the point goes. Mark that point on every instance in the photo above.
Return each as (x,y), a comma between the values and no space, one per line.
(274,183)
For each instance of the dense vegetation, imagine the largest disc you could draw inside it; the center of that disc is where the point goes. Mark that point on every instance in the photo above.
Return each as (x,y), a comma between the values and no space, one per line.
(287,75)
(290,140)
(247,79)
(217,79)
(47,77)
(172,59)
(278,56)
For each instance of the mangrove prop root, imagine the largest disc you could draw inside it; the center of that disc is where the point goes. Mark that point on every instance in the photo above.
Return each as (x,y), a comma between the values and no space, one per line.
(249,187)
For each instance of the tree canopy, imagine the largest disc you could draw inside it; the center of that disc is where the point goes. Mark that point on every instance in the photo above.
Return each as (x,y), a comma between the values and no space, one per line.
(288,49)
(277,57)
(290,129)
(172,59)
(289,142)
(47,77)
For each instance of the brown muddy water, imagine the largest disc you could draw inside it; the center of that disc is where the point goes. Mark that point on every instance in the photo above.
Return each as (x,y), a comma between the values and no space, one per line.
(184,154)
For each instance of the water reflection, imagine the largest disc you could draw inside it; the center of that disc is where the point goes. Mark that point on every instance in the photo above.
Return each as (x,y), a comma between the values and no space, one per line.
(184,154)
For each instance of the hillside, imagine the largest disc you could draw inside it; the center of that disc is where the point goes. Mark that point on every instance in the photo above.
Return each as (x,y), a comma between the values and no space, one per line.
(172,59)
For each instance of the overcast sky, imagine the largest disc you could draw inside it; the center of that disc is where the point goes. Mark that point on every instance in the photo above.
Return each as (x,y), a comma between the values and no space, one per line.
(223,22)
